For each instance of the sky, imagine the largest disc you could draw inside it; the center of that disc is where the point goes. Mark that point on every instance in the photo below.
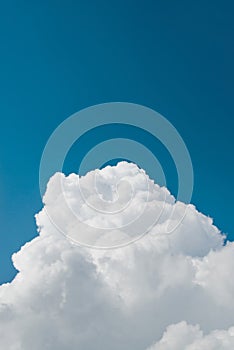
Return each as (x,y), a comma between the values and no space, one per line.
(57,58)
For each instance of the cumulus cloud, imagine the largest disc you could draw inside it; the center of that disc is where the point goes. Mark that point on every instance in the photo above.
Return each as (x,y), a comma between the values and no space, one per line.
(187,337)
(164,291)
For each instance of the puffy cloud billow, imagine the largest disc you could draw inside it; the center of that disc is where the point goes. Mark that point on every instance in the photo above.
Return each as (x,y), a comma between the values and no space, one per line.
(162,292)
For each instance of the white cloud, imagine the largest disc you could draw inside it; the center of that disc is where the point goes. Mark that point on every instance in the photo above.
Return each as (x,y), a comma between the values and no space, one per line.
(187,337)
(174,291)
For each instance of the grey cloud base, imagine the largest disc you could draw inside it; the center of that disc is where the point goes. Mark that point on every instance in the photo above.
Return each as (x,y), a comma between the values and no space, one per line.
(163,292)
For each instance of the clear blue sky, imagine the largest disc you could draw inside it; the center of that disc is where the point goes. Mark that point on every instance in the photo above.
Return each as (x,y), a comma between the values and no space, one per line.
(58,57)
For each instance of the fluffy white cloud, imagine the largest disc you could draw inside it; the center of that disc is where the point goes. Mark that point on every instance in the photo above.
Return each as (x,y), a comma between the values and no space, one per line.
(187,337)
(171,290)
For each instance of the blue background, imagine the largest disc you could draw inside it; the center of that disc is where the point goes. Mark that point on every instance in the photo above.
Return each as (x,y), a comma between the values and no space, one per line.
(58,57)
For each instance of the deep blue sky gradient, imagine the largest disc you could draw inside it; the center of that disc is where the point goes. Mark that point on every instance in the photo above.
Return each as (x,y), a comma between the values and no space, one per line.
(58,57)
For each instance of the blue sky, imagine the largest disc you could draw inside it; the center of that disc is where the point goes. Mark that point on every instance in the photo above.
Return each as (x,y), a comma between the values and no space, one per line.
(59,57)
